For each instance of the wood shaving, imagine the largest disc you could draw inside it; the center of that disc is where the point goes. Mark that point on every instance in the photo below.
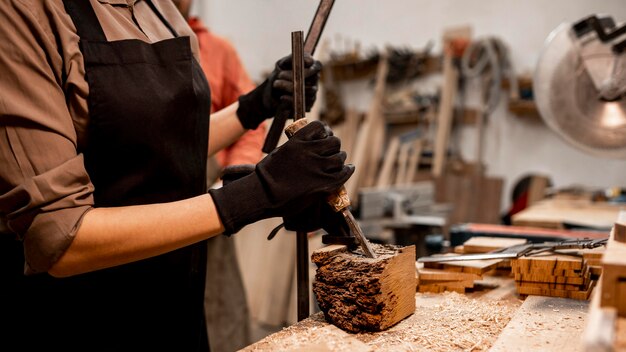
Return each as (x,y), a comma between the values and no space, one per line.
(447,322)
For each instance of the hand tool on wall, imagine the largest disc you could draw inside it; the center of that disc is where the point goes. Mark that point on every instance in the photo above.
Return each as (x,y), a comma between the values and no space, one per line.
(520,250)
(312,38)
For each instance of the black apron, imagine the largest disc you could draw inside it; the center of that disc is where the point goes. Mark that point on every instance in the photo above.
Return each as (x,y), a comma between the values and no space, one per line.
(147,143)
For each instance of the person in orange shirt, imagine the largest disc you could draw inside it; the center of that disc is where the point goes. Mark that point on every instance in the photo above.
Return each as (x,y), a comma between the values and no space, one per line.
(226,309)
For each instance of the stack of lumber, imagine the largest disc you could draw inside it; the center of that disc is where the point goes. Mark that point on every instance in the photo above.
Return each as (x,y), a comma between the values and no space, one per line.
(452,276)
(461,276)
(554,275)
(439,280)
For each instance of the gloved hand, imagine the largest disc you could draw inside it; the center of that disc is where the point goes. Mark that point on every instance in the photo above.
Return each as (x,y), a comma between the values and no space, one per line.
(263,101)
(309,165)
(318,215)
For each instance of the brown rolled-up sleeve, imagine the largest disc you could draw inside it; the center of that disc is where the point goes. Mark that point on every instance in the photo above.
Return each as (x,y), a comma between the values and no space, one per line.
(44,187)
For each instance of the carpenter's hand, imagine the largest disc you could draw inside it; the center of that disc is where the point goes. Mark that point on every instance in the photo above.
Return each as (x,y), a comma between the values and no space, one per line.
(308,167)
(262,102)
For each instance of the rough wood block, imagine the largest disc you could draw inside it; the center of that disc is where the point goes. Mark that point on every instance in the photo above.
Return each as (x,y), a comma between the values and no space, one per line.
(480,244)
(359,294)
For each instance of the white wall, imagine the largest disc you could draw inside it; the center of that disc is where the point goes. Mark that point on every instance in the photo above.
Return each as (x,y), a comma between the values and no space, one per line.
(260,29)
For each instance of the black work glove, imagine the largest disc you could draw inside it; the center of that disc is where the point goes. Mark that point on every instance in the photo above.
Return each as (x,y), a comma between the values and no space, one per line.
(318,215)
(286,181)
(263,101)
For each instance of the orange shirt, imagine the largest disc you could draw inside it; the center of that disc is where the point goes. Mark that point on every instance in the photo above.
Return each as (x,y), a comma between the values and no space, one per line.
(228,80)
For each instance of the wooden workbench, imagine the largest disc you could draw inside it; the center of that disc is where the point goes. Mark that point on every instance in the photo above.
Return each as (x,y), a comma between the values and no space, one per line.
(493,318)
(558,213)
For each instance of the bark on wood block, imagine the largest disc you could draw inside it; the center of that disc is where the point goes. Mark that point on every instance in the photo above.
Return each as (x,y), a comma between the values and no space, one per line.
(360,294)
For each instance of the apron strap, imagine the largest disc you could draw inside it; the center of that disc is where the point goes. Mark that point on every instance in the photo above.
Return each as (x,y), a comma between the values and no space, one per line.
(162,18)
(88,26)
(85,20)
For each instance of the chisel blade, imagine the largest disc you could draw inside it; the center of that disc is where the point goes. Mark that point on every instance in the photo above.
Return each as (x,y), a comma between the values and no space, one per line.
(358,233)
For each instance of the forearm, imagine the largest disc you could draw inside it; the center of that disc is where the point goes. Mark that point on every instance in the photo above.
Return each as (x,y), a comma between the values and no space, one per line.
(109,237)
(225,128)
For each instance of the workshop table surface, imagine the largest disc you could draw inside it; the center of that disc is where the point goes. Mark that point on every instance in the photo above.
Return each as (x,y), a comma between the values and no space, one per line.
(493,317)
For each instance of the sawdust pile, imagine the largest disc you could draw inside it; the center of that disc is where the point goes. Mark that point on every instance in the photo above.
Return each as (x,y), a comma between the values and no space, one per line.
(458,323)
(453,322)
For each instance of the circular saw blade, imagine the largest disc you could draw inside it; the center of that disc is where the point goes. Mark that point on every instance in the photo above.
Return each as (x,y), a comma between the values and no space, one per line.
(569,102)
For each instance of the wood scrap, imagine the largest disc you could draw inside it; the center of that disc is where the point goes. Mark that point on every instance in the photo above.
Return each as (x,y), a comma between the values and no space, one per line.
(358,294)
(614,273)
(601,326)
(478,267)
(553,275)
(481,244)
(367,132)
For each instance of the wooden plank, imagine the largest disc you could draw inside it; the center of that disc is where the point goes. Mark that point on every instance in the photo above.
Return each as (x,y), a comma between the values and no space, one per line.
(544,324)
(384,177)
(556,286)
(403,158)
(366,132)
(414,159)
(547,263)
(458,191)
(554,213)
(600,329)
(445,114)
(480,244)
(614,275)
(357,293)
(478,267)
(537,189)
(445,275)
(578,295)
(535,277)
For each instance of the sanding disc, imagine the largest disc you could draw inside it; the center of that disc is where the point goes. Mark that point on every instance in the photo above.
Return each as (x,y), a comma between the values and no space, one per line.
(569,102)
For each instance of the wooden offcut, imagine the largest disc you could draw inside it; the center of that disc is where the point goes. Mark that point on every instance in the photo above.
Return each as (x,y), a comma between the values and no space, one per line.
(614,274)
(554,275)
(359,294)
(480,244)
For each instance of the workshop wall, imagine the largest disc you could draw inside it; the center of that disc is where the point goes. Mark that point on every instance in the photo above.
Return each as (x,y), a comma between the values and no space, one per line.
(261,32)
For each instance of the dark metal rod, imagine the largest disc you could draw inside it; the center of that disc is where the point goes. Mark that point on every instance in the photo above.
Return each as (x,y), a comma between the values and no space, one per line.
(302,272)
(297,52)
(302,241)
(317,26)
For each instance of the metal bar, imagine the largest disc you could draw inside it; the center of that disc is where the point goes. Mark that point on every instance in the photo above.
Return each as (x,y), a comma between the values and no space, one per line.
(302,274)
(297,52)
(302,241)
(317,26)
(312,38)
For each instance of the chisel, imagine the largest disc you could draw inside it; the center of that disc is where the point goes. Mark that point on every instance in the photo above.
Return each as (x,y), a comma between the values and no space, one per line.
(339,201)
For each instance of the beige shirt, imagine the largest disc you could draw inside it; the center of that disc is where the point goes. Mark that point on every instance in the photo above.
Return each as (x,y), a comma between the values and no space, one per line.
(44,187)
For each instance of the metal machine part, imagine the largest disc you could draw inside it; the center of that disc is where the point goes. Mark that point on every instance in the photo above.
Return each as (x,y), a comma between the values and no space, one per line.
(580,85)
(521,250)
